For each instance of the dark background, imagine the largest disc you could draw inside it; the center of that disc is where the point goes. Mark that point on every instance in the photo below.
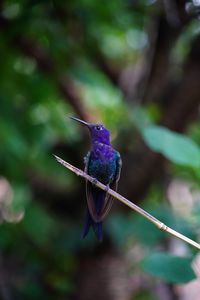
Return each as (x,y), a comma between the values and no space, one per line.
(127,64)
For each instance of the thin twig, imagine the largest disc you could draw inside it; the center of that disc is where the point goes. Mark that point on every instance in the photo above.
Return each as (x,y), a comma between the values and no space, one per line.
(133,206)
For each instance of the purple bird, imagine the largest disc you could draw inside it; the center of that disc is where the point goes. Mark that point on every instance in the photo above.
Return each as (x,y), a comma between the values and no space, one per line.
(103,163)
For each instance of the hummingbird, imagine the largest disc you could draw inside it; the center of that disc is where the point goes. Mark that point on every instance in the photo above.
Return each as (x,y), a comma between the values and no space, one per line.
(103,163)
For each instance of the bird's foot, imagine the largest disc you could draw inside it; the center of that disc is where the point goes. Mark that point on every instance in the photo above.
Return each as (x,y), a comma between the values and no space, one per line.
(94,181)
(107,188)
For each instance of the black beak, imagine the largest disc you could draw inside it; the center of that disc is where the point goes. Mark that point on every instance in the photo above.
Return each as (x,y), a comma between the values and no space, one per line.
(80,121)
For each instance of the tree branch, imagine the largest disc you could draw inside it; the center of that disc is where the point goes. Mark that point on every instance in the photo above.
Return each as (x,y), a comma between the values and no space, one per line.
(128,203)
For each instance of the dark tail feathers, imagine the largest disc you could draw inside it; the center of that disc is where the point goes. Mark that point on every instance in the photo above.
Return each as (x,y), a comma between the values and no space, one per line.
(97,227)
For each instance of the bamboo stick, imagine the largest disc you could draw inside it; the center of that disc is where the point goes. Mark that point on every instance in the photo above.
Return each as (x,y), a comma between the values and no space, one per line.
(128,203)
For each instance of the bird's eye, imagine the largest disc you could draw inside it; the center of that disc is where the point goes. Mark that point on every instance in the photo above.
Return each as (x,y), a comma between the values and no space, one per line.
(98,127)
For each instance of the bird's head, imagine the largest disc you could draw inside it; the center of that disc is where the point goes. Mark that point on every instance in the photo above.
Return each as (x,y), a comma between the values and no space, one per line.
(98,132)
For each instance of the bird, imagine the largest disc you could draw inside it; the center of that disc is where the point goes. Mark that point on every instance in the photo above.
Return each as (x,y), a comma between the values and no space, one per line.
(104,164)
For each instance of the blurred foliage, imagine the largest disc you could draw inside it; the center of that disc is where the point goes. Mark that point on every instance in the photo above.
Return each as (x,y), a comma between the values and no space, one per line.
(176,147)
(40,235)
(174,269)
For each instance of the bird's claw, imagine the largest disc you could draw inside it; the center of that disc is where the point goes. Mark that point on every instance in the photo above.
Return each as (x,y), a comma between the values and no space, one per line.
(107,188)
(94,181)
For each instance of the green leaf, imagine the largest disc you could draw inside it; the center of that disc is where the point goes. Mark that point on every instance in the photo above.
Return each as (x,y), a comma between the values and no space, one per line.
(178,148)
(170,268)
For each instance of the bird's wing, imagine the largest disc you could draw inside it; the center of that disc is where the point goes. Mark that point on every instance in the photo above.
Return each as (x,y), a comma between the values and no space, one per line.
(95,200)
(95,197)
(86,161)
(99,203)
(113,185)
